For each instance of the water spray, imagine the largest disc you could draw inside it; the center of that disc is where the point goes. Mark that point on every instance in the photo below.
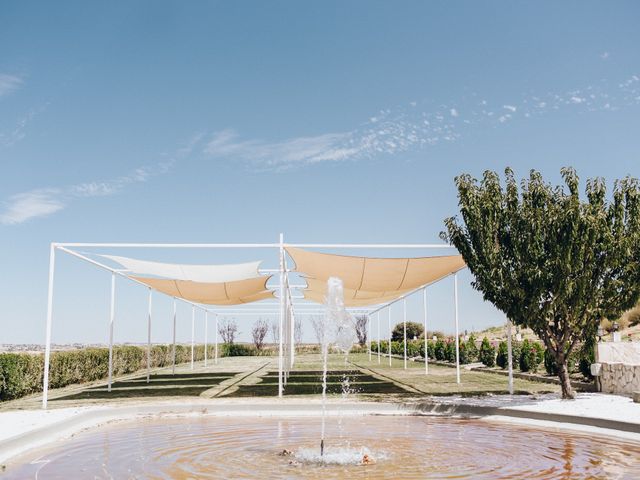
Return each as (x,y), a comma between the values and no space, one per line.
(338,328)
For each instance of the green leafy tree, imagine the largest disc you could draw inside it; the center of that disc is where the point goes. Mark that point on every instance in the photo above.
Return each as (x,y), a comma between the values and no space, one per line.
(487,354)
(414,329)
(548,259)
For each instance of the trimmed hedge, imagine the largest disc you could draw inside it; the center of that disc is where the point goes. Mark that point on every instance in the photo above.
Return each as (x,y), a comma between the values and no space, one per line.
(21,373)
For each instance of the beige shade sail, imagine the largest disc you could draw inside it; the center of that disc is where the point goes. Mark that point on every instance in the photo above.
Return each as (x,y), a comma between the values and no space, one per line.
(318,289)
(195,273)
(225,293)
(382,275)
(319,297)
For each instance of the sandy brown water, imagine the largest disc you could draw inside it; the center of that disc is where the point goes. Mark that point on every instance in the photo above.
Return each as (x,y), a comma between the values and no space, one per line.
(403,447)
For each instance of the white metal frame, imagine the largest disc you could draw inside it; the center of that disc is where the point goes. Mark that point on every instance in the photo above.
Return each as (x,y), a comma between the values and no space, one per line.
(284,305)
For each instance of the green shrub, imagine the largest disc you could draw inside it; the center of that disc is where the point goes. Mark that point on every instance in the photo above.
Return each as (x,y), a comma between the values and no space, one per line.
(471,349)
(529,356)
(502,357)
(487,354)
(397,348)
(550,363)
(450,351)
(440,350)
(587,355)
(430,349)
(463,352)
(413,348)
(20,375)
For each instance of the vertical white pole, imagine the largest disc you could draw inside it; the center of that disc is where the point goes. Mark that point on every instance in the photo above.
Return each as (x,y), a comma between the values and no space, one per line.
(510,357)
(173,350)
(426,337)
(455,300)
(216,349)
(282,313)
(378,317)
(47,347)
(206,333)
(111,320)
(149,337)
(369,335)
(292,339)
(404,322)
(193,333)
(389,324)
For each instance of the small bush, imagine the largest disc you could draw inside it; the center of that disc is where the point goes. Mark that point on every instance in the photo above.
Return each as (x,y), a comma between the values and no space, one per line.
(487,354)
(463,351)
(502,357)
(413,348)
(587,355)
(529,356)
(550,362)
(450,351)
(440,350)
(430,349)
(471,349)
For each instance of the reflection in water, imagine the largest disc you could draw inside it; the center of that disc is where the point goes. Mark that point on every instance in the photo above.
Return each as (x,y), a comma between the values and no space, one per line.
(403,447)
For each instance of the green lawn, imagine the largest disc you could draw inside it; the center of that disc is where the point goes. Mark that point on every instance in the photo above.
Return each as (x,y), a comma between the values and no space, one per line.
(258,377)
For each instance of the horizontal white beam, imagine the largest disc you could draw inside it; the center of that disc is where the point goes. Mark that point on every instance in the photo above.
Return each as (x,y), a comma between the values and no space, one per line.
(369,245)
(254,245)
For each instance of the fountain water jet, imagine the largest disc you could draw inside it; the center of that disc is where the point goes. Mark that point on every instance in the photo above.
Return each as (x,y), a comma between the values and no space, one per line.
(338,328)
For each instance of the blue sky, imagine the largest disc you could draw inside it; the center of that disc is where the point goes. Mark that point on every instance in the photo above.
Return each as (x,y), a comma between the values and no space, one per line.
(329,121)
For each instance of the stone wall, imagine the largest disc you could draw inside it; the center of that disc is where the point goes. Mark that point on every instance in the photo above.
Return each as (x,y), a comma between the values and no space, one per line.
(619,378)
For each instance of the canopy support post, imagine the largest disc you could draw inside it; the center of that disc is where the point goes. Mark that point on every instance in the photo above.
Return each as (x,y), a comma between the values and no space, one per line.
(426,337)
(216,349)
(173,349)
(47,348)
(389,322)
(369,335)
(455,301)
(149,337)
(206,333)
(293,336)
(378,317)
(111,320)
(193,333)
(404,324)
(282,313)
(510,357)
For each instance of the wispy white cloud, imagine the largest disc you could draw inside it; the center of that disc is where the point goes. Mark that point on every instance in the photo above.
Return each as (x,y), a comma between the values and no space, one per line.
(388,132)
(19,131)
(396,130)
(9,83)
(604,55)
(27,205)
(42,202)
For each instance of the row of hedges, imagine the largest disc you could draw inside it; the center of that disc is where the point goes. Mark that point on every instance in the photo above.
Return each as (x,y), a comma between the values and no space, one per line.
(527,356)
(21,373)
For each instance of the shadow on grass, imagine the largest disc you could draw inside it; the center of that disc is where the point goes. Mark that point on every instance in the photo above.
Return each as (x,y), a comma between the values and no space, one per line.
(135,393)
(162,385)
(309,382)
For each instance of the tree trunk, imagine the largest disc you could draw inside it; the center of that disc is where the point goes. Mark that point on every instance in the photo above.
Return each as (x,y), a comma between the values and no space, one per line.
(563,375)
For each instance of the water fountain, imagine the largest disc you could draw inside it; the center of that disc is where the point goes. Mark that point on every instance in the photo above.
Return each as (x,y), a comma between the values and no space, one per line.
(338,329)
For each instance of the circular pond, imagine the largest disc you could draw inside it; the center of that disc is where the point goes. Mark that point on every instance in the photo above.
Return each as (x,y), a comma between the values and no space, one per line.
(397,447)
